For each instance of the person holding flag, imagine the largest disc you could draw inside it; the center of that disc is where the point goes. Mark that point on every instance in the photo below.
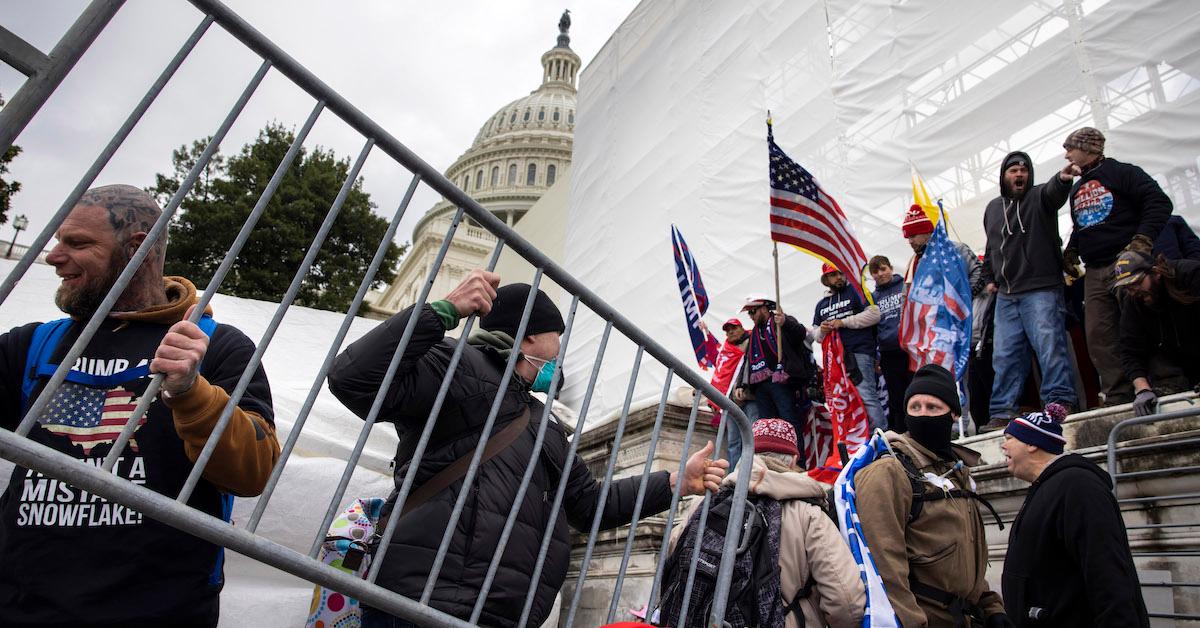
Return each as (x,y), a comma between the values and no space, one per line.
(779,364)
(918,230)
(907,506)
(844,308)
(729,365)
(935,324)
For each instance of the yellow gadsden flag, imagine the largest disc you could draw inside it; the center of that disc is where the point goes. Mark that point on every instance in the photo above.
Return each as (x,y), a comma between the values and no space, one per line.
(921,196)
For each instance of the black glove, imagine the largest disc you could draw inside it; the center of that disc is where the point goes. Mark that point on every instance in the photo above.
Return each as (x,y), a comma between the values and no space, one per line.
(1145,403)
(999,620)
(1071,263)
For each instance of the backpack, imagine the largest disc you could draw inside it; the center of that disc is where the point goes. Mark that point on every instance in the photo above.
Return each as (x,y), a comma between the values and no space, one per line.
(38,366)
(754,598)
(45,340)
(920,495)
(348,548)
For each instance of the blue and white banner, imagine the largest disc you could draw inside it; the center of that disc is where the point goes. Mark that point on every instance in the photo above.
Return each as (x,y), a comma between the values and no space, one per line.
(695,301)
(879,612)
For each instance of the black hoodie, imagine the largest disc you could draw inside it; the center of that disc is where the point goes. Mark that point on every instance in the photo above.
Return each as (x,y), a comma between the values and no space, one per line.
(1024,250)
(1068,553)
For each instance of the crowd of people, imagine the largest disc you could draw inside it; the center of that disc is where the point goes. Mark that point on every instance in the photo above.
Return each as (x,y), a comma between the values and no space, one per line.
(71,558)
(1138,285)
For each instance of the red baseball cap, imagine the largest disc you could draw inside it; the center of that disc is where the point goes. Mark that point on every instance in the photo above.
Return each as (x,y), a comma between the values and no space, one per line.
(829,268)
(733,322)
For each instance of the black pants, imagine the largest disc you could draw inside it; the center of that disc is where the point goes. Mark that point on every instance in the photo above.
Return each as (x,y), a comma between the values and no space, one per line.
(979,385)
(894,363)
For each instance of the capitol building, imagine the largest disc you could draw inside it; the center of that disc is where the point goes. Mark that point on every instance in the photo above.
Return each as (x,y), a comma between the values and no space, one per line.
(518,154)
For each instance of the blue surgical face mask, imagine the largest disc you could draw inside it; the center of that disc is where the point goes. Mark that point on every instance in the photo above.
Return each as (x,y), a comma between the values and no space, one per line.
(545,373)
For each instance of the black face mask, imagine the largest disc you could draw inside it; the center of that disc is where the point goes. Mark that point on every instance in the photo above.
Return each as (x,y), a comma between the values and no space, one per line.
(933,432)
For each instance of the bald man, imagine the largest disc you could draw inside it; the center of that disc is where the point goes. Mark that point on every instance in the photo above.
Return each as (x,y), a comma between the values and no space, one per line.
(68,557)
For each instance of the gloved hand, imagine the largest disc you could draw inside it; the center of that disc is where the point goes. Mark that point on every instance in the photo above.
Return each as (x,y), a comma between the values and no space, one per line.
(1071,263)
(1141,244)
(999,620)
(1145,402)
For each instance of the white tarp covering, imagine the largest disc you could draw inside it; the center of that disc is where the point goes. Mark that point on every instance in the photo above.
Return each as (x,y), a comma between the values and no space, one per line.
(257,595)
(672,130)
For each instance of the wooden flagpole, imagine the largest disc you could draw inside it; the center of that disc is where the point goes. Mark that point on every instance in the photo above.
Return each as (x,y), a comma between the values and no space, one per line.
(778,305)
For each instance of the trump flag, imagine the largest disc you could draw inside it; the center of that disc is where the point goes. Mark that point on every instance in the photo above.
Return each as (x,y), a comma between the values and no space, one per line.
(935,324)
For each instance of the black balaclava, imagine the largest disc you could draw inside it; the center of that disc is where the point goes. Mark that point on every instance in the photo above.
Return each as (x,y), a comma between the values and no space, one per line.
(933,432)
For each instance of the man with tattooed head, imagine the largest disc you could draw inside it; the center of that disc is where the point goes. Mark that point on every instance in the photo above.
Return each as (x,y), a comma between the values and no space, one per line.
(68,557)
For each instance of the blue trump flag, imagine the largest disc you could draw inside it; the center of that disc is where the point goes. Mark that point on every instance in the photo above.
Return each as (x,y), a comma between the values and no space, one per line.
(935,324)
(695,301)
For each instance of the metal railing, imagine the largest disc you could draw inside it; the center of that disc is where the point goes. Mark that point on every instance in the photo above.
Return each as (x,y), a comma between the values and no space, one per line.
(45,72)
(1114,471)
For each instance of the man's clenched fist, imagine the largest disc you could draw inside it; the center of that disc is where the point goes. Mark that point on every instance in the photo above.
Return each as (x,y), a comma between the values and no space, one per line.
(179,355)
(475,293)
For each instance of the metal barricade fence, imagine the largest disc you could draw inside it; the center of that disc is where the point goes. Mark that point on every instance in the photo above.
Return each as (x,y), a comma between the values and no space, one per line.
(1114,471)
(45,72)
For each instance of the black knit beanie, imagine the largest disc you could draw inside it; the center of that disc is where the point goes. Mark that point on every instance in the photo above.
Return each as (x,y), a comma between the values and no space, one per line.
(935,380)
(510,303)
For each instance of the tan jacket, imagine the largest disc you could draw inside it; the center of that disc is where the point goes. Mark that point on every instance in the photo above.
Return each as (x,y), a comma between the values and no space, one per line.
(809,543)
(945,547)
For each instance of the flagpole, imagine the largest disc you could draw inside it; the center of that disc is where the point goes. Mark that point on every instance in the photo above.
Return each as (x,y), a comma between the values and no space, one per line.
(779,329)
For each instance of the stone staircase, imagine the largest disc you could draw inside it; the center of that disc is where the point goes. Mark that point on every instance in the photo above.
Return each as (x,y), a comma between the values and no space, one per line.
(1169,551)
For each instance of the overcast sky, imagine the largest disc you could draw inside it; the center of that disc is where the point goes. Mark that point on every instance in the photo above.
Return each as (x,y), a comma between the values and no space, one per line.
(429,73)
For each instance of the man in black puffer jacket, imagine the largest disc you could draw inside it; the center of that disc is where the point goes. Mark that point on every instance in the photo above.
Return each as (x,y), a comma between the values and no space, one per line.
(355,379)
(1068,562)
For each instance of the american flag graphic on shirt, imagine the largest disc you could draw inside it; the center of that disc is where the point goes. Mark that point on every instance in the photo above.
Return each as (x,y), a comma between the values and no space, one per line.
(90,417)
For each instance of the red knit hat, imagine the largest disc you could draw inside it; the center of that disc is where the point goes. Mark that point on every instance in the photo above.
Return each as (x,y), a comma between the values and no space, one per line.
(916,222)
(775,435)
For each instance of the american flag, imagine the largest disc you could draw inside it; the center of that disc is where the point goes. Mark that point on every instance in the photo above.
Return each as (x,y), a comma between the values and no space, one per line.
(935,324)
(803,215)
(818,437)
(90,417)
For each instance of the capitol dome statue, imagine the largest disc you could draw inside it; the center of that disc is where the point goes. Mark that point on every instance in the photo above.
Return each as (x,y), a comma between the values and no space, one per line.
(518,153)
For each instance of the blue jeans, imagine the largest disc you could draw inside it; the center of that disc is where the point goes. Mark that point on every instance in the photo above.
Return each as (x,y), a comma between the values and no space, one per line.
(778,401)
(1030,320)
(733,444)
(375,618)
(868,390)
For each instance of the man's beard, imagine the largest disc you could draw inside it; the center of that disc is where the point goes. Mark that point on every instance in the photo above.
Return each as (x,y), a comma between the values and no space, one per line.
(82,302)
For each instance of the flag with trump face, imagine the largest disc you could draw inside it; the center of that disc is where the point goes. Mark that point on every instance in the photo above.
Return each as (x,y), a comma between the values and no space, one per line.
(935,323)
(695,301)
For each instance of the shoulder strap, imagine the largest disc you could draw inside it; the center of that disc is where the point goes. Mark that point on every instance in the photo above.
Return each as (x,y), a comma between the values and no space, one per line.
(45,343)
(914,481)
(458,469)
(805,591)
(45,339)
(920,496)
(207,325)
